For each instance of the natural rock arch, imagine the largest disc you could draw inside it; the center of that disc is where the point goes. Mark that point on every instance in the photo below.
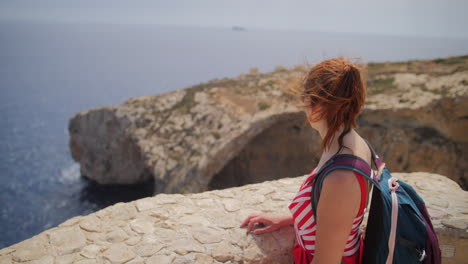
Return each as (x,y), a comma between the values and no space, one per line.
(287,147)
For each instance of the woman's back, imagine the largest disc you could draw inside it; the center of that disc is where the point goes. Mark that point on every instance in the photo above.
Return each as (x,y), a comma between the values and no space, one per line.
(305,226)
(303,218)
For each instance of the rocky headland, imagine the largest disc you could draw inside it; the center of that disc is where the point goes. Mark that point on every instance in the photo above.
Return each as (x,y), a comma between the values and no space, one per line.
(235,131)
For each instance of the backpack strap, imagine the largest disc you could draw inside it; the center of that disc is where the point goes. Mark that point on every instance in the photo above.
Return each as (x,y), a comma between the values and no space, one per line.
(378,163)
(375,158)
(340,161)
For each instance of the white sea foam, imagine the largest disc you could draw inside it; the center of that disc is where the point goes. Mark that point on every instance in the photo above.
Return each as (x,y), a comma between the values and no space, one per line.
(70,174)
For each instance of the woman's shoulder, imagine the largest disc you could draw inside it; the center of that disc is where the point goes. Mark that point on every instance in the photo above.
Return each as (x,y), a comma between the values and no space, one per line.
(341,191)
(343,184)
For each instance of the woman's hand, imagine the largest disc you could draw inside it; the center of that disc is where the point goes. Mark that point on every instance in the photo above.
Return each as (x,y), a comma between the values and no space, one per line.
(269,222)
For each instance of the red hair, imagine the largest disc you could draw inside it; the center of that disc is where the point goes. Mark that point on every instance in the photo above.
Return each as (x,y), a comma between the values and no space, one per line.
(338,87)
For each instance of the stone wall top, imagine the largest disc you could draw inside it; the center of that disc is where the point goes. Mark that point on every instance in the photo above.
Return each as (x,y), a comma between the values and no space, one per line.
(204,227)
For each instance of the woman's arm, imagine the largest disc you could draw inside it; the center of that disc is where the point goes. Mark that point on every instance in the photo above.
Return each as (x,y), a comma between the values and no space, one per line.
(338,205)
(287,220)
(270,222)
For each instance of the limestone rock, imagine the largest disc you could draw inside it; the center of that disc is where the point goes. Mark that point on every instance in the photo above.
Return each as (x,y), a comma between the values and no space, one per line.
(71,221)
(5,260)
(148,249)
(43,260)
(457,222)
(67,240)
(231,205)
(232,132)
(90,251)
(194,220)
(145,204)
(67,259)
(206,235)
(116,235)
(202,258)
(29,250)
(225,251)
(218,238)
(133,240)
(160,259)
(91,224)
(142,226)
(184,246)
(119,253)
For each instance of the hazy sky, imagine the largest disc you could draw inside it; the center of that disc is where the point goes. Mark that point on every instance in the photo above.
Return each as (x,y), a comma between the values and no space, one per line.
(446,18)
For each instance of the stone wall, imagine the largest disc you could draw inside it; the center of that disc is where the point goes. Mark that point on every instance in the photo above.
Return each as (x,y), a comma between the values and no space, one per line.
(204,227)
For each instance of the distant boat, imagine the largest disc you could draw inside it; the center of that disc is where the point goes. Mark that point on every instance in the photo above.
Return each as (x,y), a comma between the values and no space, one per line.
(237,28)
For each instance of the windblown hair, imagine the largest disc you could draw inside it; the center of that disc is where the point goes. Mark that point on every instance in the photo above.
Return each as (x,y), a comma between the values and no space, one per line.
(338,86)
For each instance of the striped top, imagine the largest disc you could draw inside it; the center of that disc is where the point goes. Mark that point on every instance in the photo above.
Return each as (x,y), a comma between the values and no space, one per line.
(304,224)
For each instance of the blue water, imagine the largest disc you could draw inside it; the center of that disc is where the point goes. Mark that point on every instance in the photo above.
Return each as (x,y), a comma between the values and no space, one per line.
(48,72)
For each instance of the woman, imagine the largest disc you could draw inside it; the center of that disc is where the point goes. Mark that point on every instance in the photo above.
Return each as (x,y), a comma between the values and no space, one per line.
(333,93)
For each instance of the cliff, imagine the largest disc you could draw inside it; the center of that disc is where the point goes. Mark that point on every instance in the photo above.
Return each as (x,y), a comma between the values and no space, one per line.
(204,227)
(200,140)
(231,132)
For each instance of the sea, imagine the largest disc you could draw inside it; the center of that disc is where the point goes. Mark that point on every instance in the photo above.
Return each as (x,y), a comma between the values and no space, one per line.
(49,71)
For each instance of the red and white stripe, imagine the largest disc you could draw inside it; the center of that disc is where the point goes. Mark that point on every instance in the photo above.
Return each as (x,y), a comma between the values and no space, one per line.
(304,222)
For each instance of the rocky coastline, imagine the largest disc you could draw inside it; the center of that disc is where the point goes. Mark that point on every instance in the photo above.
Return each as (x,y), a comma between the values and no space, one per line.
(221,150)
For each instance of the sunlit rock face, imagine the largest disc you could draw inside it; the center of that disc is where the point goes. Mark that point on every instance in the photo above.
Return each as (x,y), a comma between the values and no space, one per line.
(421,139)
(204,227)
(230,132)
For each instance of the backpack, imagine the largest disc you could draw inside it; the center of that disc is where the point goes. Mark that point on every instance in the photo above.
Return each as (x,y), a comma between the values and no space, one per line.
(399,228)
